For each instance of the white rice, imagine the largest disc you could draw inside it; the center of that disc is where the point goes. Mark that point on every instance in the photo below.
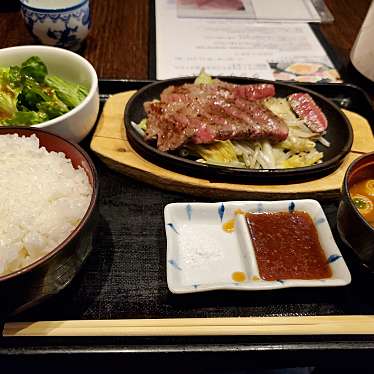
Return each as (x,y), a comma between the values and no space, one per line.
(42,199)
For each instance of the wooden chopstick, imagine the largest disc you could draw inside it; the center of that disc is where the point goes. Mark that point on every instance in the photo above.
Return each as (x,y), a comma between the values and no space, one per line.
(300,325)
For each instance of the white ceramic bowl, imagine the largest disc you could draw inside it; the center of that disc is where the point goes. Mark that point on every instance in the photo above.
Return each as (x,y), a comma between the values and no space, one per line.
(77,123)
(60,23)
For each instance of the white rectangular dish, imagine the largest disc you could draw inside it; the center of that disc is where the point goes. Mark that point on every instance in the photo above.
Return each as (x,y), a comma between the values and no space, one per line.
(204,254)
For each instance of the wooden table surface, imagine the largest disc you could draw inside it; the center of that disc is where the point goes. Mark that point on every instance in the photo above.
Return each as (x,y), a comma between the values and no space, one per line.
(118,48)
(118,42)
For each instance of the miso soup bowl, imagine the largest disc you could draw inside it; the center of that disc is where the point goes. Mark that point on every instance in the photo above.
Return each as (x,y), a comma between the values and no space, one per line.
(353,229)
(51,273)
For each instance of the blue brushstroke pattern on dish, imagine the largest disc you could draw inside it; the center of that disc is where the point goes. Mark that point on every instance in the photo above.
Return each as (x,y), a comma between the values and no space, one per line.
(189,211)
(175,265)
(221,211)
(320,221)
(171,225)
(66,28)
(280,281)
(291,207)
(260,208)
(333,258)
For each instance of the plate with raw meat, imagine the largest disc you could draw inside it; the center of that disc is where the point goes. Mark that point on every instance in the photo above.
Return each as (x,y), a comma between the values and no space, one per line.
(237,129)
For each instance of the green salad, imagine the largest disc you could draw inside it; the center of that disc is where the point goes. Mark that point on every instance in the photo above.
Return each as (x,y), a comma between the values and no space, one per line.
(28,95)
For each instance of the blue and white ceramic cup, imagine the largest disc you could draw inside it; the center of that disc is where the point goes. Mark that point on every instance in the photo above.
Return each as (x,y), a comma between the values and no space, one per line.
(60,23)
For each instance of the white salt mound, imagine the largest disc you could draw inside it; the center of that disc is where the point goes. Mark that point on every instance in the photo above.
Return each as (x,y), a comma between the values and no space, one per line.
(43,198)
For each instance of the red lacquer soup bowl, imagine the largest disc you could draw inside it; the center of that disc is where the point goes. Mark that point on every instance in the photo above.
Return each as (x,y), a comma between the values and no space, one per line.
(354,229)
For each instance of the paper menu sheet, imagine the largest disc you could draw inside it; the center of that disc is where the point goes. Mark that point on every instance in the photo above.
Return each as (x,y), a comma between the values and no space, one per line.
(262,10)
(239,47)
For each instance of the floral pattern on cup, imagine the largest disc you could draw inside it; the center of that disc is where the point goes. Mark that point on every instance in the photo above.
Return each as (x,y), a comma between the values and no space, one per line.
(66,28)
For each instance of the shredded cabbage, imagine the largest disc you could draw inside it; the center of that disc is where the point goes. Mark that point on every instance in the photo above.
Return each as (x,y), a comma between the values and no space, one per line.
(222,152)
(203,78)
(281,108)
(255,155)
(302,159)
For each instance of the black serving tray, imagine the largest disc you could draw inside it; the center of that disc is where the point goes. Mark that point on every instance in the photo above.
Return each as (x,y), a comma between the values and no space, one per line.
(125,277)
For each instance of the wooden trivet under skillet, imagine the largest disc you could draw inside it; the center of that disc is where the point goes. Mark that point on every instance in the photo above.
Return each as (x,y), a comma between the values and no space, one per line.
(111,145)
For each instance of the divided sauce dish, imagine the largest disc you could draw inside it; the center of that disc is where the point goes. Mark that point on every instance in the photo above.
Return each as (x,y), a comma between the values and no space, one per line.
(209,247)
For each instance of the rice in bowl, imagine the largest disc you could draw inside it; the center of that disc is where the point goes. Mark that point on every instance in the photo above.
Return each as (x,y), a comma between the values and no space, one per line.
(43,199)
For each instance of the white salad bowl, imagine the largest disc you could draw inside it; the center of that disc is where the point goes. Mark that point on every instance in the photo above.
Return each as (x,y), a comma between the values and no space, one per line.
(78,122)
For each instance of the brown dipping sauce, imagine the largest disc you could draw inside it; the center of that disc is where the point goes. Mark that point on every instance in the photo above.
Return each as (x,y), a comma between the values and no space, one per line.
(286,246)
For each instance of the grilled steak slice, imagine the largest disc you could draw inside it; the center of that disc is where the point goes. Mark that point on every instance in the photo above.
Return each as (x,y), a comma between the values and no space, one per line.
(218,89)
(204,113)
(254,91)
(305,107)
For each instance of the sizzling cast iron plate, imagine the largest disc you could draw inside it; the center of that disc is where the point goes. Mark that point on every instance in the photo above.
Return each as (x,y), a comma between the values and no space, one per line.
(339,134)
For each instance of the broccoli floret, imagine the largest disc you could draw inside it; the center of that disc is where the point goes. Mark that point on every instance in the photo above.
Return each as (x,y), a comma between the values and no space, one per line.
(34,68)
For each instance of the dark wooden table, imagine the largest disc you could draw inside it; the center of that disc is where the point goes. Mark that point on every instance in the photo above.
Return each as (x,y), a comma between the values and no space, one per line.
(118,43)
(118,48)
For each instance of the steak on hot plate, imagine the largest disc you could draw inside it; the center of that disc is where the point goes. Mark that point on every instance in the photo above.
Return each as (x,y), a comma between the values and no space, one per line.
(204,113)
